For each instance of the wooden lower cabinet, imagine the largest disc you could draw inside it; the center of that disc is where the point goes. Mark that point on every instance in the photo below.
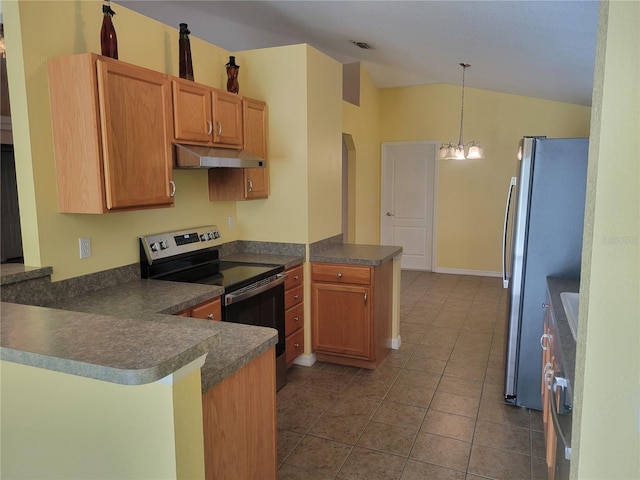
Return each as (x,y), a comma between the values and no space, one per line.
(240,431)
(351,312)
(294,313)
(210,310)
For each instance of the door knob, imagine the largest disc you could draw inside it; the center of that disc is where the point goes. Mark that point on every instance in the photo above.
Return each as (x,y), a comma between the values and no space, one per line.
(389,214)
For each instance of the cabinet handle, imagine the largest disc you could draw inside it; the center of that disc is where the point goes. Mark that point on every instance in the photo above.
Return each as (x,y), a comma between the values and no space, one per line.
(339,275)
(296,277)
(250,183)
(172,193)
(296,345)
(296,319)
(296,297)
(209,127)
(545,305)
(219,125)
(548,375)
(366,297)
(210,316)
(389,214)
(548,337)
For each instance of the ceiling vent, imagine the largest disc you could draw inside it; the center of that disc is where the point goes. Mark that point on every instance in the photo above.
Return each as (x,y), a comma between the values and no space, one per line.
(363,45)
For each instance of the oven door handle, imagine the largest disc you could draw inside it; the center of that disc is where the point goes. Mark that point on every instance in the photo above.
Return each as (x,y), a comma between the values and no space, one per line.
(255,289)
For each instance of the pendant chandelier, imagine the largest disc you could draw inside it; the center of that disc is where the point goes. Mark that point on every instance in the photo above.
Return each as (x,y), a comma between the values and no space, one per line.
(461,151)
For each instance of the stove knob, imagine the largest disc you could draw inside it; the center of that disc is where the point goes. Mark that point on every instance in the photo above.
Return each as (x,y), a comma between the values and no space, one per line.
(204,237)
(155,246)
(164,245)
(216,234)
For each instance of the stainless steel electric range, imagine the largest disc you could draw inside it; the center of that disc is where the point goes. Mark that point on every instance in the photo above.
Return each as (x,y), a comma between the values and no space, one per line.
(253,293)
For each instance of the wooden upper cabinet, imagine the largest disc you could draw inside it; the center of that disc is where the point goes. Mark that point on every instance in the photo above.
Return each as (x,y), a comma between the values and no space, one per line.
(230,184)
(112,133)
(227,118)
(206,116)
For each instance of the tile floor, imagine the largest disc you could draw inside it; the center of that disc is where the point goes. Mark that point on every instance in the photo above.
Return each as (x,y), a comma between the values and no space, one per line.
(432,410)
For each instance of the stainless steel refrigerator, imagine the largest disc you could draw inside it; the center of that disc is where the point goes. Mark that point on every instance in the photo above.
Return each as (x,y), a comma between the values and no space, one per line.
(542,237)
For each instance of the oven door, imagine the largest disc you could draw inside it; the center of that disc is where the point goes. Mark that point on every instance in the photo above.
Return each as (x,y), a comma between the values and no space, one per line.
(261,304)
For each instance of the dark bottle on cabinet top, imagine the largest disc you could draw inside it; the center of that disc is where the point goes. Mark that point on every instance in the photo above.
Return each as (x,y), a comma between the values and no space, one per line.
(108,39)
(186,67)
(232,76)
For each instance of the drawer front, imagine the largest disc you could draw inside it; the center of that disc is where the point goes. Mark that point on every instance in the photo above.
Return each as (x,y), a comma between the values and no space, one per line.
(293,297)
(293,319)
(340,273)
(295,346)
(208,311)
(295,277)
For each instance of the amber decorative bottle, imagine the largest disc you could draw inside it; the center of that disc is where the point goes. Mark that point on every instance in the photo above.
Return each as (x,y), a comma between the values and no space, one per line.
(232,76)
(108,39)
(186,66)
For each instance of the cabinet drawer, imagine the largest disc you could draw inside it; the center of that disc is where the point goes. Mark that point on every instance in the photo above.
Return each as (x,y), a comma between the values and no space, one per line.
(293,319)
(295,277)
(208,311)
(340,273)
(293,297)
(294,346)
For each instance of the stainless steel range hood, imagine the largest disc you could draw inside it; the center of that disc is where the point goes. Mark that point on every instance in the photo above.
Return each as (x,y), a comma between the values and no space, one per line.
(193,156)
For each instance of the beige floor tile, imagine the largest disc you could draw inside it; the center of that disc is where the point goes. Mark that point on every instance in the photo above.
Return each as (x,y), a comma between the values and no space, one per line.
(344,428)
(504,437)
(319,455)
(294,419)
(388,438)
(460,386)
(426,364)
(449,425)
(432,351)
(415,395)
(415,377)
(443,451)
(364,464)
(415,470)
(457,404)
(393,413)
(499,464)
(290,472)
(287,441)
(465,370)
(504,414)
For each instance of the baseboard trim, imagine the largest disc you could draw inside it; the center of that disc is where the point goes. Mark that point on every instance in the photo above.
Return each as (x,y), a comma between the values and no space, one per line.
(305,360)
(395,343)
(477,273)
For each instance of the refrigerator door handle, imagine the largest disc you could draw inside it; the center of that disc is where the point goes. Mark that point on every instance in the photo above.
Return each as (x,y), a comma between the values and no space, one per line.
(505,280)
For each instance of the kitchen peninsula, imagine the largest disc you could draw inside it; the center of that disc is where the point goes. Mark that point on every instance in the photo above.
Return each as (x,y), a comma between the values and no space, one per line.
(92,380)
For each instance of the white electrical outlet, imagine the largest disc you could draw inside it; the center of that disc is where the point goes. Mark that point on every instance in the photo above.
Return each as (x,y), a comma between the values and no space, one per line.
(85,247)
(231,223)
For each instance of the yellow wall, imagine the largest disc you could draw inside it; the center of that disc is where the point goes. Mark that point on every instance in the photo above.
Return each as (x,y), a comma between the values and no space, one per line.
(607,402)
(56,425)
(324,134)
(471,194)
(277,76)
(36,31)
(362,123)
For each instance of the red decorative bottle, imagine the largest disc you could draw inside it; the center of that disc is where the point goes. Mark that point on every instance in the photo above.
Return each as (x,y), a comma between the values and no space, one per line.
(186,67)
(108,39)
(232,76)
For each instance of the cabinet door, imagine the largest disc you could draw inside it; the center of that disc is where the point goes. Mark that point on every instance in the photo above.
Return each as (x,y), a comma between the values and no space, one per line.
(341,319)
(254,114)
(191,111)
(135,109)
(227,118)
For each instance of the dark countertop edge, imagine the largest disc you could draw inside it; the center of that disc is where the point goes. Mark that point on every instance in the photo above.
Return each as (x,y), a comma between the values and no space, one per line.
(357,254)
(17,272)
(565,340)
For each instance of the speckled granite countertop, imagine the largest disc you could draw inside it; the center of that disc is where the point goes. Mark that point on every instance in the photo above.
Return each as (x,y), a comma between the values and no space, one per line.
(268,259)
(565,339)
(17,272)
(146,305)
(356,254)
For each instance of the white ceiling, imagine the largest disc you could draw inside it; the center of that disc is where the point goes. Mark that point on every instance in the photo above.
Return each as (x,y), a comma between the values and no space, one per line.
(543,49)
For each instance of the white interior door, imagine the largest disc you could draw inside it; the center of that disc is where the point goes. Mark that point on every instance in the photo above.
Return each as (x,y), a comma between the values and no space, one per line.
(407,201)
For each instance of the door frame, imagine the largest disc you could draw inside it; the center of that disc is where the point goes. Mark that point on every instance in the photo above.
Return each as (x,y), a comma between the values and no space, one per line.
(432,167)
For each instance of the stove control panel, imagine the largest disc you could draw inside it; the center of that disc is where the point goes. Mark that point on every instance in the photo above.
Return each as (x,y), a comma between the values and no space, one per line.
(168,244)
